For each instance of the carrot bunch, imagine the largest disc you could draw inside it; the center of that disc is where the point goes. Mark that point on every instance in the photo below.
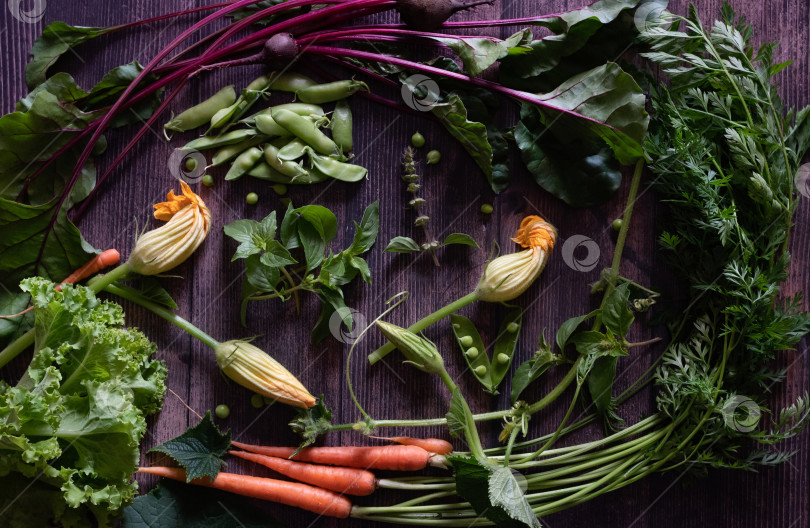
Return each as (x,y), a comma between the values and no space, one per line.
(324,474)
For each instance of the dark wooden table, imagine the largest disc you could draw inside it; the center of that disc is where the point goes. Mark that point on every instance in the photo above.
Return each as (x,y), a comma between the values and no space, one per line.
(209,292)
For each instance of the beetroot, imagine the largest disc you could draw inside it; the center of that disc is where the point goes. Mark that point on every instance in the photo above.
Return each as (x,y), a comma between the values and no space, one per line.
(279,50)
(426,15)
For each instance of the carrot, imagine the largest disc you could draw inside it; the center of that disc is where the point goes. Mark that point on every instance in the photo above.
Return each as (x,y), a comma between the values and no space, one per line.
(431,445)
(108,258)
(295,494)
(393,457)
(99,262)
(350,481)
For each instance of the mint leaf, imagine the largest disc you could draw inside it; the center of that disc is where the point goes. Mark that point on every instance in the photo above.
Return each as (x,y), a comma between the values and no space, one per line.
(199,449)
(460,238)
(505,492)
(616,316)
(473,484)
(402,244)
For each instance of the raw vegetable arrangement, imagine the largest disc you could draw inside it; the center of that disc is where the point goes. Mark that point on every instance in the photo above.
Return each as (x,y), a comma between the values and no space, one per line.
(721,152)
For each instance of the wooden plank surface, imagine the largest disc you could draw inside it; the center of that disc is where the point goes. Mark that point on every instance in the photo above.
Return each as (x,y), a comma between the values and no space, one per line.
(209,293)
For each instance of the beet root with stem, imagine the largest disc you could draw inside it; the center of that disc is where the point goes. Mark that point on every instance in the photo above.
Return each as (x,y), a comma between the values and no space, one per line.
(425,15)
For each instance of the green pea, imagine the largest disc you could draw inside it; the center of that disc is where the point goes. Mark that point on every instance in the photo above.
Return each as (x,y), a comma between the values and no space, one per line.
(191,164)
(256,400)
(200,114)
(208,180)
(341,126)
(433,157)
(243,163)
(471,353)
(330,92)
(280,188)
(486,209)
(252,199)
(418,140)
(336,169)
(466,341)
(231,138)
(305,130)
(502,358)
(222,411)
(512,327)
(288,168)
(480,370)
(617,224)
(302,109)
(290,82)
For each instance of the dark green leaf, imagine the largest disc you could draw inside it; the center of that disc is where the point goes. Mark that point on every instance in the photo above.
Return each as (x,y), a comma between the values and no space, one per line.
(456,416)
(600,382)
(531,369)
(402,244)
(616,316)
(243,231)
(114,82)
(277,255)
(321,219)
(262,278)
(569,326)
(312,423)
(362,266)
(176,505)
(479,53)
(331,302)
(55,40)
(365,233)
(199,450)
(460,238)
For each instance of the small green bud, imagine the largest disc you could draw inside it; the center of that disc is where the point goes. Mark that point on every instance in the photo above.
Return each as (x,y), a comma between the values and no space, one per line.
(433,157)
(512,327)
(502,358)
(418,140)
(421,220)
(420,352)
(416,203)
(410,178)
(480,370)
(471,353)
(466,341)
(617,224)
(486,209)
(208,180)
(413,187)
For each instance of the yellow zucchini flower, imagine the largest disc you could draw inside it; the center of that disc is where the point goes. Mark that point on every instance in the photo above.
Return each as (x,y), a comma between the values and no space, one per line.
(188,221)
(252,368)
(507,276)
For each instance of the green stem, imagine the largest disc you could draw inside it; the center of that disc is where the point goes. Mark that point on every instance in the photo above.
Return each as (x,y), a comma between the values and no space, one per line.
(423,323)
(557,432)
(555,393)
(471,432)
(96,284)
(165,314)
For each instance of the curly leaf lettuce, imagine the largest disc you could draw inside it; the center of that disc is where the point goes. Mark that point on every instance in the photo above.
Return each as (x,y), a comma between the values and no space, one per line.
(75,420)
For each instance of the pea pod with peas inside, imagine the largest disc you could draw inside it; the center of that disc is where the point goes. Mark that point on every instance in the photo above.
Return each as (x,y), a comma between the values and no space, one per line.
(200,114)
(330,92)
(504,348)
(475,353)
(306,130)
(335,169)
(341,126)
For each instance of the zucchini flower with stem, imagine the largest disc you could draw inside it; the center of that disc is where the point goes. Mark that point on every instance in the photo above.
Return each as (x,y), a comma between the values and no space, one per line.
(504,278)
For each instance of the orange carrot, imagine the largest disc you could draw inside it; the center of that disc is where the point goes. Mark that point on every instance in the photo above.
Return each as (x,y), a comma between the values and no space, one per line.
(431,445)
(350,481)
(301,496)
(393,457)
(108,258)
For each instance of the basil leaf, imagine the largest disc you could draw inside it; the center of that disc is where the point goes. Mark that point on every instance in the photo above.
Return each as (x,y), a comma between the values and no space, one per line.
(616,316)
(262,278)
(331,302)
(600,382)
(402,244)
(199,449)
(365,232)
(277,255)
(460,238)
(569,326)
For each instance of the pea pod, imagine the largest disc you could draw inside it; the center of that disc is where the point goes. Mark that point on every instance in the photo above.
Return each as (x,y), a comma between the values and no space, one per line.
(302,109)
(229,152)
(341,126)
(243,163)
(330,92)
(236,136)
(288,168)
(268,126)
(200,114)
(504,347)
(264,171)
(249,96)
(305,130)
(464,329)
(292,150)
(290,82)
(335,169)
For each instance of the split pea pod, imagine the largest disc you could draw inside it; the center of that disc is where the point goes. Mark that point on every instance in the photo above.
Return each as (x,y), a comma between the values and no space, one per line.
(249,96)
(243,163)
(504,347)
(290,82)
(288,168)
(200,114)
(336,169)
(236,136)
(330,92)
(474,350)
(302,109)
(341,125)
(305,130)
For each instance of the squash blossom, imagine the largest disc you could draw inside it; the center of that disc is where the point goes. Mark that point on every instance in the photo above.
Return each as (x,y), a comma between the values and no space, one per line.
(507,276)
(188,221)
(252,368)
